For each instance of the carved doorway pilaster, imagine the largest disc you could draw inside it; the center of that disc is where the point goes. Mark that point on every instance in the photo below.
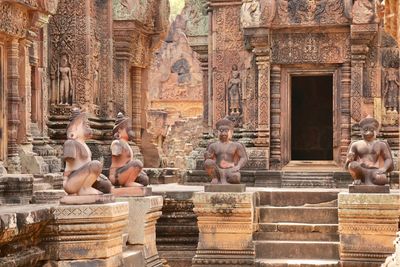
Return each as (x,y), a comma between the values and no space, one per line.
(3,126)
(286,119)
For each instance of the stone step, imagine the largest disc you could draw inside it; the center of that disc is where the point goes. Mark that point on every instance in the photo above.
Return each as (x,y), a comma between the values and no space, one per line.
(41,186)
(297,250)
(295,263)
(296,198)
(297,231)
(302,214)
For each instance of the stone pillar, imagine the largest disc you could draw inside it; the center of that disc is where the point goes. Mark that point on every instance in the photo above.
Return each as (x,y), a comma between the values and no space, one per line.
(276,157)
(13,100)
(143,215)
(345,118)
(361,35)
(136,98)
(86,235)
(225,223)
(263,68)
(394,260)
(24,132)
(357,62)
(367,226)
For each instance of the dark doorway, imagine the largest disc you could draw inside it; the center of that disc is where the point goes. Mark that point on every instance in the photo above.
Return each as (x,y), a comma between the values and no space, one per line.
(312,118)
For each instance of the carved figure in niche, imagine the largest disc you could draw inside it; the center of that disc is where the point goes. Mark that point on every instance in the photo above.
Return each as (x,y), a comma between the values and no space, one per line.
(234,92)
(65,80)
(124,171)
(369,160)
(182,68)
(363,11)
(81,171)
(391,91)
(224,158)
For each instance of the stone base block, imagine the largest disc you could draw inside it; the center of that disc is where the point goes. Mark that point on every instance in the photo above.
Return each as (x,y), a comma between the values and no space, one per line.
(88,199)
(225,223)
(143,215)
(50,196)
(378,189)
(225,188)
(367,226)
(134,191)
(85,232)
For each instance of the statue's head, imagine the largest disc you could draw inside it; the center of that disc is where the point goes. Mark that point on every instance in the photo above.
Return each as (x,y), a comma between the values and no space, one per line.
(123,128)
(369,126)
(64,60)
(225,129)
(79,127)
(235,72)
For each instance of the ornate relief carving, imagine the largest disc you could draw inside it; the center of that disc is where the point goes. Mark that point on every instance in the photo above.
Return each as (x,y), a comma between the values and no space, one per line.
(291,48)
(14,20)
(67,39)
(229,41)
(363,11)
(356,91)
(196,17)
(250,14)
(307,12)
(391,89)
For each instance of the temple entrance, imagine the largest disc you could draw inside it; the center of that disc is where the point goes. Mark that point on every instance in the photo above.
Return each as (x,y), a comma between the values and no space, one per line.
(312,117)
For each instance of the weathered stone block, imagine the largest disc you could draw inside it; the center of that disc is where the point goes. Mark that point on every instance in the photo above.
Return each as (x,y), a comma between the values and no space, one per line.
(367,225)
(85,232)
(225,223)
(143,215)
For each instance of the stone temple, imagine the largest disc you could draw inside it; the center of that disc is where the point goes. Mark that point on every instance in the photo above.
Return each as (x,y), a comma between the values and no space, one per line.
(308,86)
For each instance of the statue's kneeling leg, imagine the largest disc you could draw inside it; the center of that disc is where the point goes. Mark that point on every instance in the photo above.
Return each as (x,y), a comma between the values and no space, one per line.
(143,178)
(211,168)
(234,178)
(127,175)
(356,172)
(379,179)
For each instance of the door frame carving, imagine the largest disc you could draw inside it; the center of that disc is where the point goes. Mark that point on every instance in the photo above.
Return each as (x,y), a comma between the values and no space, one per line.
(286,93)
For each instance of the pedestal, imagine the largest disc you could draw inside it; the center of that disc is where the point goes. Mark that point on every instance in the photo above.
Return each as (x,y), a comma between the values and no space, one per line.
(86,235)
(141,229)
(367,226)
(225,223)
(134,191)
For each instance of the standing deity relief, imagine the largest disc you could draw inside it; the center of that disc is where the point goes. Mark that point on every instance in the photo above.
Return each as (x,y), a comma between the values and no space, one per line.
(61,82)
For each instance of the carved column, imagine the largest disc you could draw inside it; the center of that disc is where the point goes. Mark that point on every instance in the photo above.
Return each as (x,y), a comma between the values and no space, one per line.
(24,132)
(263,91)
(276,159)
(136,102)
(13,100)
(357,61)
(345,118)
(361,36)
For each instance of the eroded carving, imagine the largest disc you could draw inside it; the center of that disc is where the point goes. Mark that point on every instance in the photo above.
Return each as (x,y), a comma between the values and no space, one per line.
(234,92)
(369,160)
(290,48)
(124,170)
(363,11)
(81,171)
(224,158)
(64,78)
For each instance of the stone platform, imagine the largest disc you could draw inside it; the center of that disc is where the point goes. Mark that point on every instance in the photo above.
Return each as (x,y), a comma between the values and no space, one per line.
(85,235)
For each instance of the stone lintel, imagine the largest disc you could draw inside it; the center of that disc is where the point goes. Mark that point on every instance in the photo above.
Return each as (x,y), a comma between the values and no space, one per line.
(368,189)
(239,188)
